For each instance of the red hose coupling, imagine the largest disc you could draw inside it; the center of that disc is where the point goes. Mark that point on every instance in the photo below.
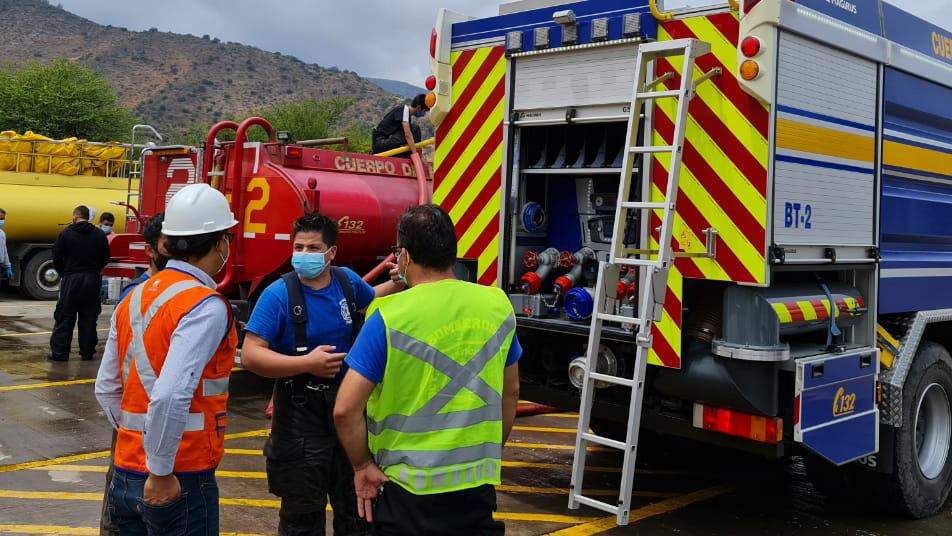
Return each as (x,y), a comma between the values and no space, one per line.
(563,284)
(530,283)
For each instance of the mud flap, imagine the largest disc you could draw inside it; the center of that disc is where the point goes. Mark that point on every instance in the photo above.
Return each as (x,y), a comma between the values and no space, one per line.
(836,414)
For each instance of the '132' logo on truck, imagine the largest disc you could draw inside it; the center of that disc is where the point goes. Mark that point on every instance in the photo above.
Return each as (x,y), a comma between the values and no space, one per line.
(843,404)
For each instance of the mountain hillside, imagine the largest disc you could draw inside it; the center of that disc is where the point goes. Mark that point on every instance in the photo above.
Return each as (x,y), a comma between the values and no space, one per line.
(173,81)
(398,88)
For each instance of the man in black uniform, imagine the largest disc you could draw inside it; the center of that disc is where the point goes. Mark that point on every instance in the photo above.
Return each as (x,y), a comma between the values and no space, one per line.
(396,129)
(80,253)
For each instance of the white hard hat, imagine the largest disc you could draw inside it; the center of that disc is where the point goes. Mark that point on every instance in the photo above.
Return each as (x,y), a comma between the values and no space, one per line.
(197,209)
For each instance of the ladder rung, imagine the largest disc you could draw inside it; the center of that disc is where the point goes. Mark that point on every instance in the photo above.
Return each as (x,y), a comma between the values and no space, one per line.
(636,262)
(594,503)
(659,94)
(604,441)
(644,205)
(617,380)
(652,149)
(619,318)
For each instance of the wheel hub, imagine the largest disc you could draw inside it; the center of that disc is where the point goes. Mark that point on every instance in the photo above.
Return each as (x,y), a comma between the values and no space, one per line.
(933,430)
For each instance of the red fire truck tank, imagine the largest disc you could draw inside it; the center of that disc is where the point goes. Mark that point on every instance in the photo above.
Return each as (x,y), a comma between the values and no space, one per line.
(271,184)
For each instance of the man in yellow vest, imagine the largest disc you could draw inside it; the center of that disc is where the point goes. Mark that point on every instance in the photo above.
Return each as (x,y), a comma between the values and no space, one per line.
(163,381)
(436,368)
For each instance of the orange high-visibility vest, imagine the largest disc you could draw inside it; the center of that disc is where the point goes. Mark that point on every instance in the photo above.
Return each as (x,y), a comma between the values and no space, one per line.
(145,321)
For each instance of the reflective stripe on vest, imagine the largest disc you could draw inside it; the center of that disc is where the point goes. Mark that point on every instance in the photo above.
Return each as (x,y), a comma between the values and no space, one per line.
(466,376)
(136,421)
(448,477)
(138,354)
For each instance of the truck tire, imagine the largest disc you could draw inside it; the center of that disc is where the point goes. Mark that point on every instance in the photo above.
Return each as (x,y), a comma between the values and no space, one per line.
(39,279)
(922,473)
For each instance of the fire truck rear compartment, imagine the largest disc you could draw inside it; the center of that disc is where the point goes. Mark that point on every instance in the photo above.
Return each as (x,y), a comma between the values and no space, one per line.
(738,342)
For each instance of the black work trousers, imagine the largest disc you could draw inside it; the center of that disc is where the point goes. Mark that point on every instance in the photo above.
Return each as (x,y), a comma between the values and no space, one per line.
(383,143)
(306,464)
(78,297)
(468,512)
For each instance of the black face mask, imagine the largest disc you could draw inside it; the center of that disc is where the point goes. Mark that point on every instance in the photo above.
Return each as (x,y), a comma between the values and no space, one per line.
(160,262)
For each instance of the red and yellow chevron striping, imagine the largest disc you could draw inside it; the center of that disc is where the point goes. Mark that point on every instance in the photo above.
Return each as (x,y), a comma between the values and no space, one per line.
(800,311)
(723,178)
(468,173)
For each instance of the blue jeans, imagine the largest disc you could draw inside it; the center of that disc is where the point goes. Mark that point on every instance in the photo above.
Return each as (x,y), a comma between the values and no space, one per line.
(194,513)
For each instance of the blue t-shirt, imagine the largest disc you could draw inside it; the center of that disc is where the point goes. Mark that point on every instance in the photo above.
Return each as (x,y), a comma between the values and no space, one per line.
(369,354)
(328,317)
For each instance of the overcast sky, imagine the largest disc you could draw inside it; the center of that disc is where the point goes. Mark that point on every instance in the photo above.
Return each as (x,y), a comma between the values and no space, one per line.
(375,38)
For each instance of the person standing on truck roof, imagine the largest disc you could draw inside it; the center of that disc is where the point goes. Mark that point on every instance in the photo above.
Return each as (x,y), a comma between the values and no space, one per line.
(106,222)
(436,368)
(179,336)
(151,233)
(5,265)
(396,129)
(80,253)
(301,328)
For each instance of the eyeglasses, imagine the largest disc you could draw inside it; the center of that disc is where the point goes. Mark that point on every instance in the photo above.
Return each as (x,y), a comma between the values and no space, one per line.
(396,250)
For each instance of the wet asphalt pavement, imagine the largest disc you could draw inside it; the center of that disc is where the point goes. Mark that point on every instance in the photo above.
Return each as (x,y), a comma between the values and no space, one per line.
(54,438)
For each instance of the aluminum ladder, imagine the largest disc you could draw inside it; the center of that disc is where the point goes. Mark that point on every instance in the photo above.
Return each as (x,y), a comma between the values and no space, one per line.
(653,265)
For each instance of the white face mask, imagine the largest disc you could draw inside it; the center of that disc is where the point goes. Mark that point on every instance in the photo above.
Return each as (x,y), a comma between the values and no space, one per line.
(224,260)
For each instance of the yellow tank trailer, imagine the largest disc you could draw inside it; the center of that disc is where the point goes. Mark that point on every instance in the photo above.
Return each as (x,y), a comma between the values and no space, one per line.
(41,182)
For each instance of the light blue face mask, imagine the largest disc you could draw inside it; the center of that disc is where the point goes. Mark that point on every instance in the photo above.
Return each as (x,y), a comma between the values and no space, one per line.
(2,222)
(402,275)
(308,265)
(106,228)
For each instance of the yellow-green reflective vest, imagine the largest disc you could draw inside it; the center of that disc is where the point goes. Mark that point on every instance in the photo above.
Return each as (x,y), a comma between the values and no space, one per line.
(435,421)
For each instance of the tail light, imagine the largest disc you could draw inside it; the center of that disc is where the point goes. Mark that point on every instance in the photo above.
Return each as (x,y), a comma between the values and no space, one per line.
(749,4)
(750,46)
(430,100)
(293,152)
(749,70)
(433,44)
(431,82)
(735,423)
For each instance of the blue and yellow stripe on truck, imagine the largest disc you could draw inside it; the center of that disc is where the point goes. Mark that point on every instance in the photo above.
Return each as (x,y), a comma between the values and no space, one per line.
(916,213)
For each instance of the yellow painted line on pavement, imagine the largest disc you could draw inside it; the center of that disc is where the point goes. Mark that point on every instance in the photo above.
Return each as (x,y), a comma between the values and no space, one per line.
(54,461)
(661,507)
(555,447)
(545,429)
(249,452)
(260,503)
(594,492)
(69,382)
(38,333)
(537,465)
(47,384)
(545,518)
(104,468)
(258,452)
(48,529)
(63,529)
(104,453)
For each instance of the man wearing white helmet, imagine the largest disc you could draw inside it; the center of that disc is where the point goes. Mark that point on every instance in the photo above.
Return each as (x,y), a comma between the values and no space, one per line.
(163,382)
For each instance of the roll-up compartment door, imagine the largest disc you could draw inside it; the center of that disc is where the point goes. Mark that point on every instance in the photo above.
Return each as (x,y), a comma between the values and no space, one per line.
(595,81)
(824,173)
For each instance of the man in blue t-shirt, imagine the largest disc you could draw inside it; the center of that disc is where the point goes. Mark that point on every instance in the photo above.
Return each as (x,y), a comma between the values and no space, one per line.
(305,461)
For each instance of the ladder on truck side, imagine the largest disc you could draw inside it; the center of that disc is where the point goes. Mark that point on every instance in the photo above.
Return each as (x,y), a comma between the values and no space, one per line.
(654,268)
